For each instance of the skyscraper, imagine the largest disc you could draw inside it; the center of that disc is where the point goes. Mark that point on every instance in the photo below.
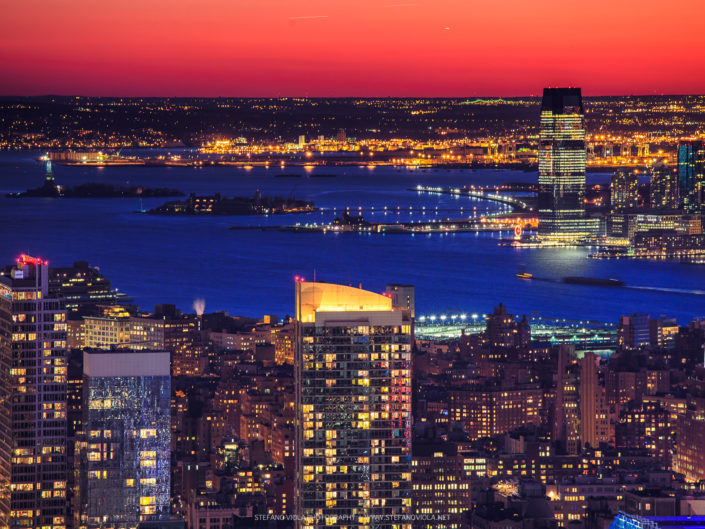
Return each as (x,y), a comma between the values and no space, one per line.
(624,190)
(691,176)
(6,384)
(594,414)
(664,189)
(124,456)
(353,385)
(562,166)
(37,322)
(83,287)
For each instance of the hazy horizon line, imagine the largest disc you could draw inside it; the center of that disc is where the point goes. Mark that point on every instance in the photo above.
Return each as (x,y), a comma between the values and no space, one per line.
(484,96)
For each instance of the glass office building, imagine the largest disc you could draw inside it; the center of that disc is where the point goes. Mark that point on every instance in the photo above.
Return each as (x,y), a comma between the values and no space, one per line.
(353,385)
(562,167)
(691,176)
(632,521)
(125,450)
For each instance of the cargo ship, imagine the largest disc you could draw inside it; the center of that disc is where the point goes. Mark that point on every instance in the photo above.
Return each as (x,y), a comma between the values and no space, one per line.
(594,281)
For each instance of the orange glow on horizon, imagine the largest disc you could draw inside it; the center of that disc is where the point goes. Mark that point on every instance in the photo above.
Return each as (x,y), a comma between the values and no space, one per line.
(344,48)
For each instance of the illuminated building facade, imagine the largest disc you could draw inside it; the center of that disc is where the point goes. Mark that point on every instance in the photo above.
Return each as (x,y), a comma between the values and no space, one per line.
(664,332)
(107,331)
(81,286)
(689,457)
(488,410)
(629,225)
(504,332)
(646,425)
(668,244)
(633,521)
(691,176)
(441,485)
(5,401)
(353,393)
(624,190)
(166,329)
(664,187)
(124,458)
(182,338)
(562,166)
(37,322)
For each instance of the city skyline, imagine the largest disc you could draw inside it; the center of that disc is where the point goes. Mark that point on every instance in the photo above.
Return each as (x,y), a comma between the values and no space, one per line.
(309,48)
(526,351)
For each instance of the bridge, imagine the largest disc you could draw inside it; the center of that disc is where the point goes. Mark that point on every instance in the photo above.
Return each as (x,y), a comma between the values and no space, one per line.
(517,204)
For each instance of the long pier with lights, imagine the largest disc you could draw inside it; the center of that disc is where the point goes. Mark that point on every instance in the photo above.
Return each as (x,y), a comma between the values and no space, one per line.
(517,204)
(515,225)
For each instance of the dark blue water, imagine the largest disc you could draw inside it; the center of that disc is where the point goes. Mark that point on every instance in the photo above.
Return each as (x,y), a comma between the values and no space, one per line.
(176,260)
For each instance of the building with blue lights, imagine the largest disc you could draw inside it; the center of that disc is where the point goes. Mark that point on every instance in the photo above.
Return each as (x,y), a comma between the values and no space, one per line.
(123,459)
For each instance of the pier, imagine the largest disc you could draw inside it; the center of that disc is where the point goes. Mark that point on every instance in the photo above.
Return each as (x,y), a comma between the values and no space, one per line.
(517,204)
(515,224)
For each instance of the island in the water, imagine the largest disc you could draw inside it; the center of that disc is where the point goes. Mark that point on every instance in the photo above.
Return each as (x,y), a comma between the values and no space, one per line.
(92,190)
(218,205)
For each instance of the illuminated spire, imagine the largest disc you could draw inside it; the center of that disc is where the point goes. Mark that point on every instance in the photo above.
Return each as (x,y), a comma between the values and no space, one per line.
(49,177)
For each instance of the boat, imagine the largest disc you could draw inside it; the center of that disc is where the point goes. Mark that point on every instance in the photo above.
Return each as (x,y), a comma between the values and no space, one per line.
(525,275)
(594,281)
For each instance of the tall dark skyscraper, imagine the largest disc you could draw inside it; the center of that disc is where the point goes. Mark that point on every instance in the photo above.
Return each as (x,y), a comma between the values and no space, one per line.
(353,385)
(38,395)
(562,166)
(691,176)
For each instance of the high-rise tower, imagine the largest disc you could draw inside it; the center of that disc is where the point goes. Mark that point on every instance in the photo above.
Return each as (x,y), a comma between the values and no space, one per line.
(353,385)
(38,395)
(562,166)
(624,190)
(664,191)
(124,455)
(6,384)
(691,176)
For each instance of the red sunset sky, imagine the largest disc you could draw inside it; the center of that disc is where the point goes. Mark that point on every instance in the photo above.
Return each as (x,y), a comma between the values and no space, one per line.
(344,47)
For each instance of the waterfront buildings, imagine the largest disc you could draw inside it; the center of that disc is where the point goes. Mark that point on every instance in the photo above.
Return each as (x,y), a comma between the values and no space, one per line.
(628,225)
(562,166)
(123,458)
(34,337)
(691,176)
(353,384)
